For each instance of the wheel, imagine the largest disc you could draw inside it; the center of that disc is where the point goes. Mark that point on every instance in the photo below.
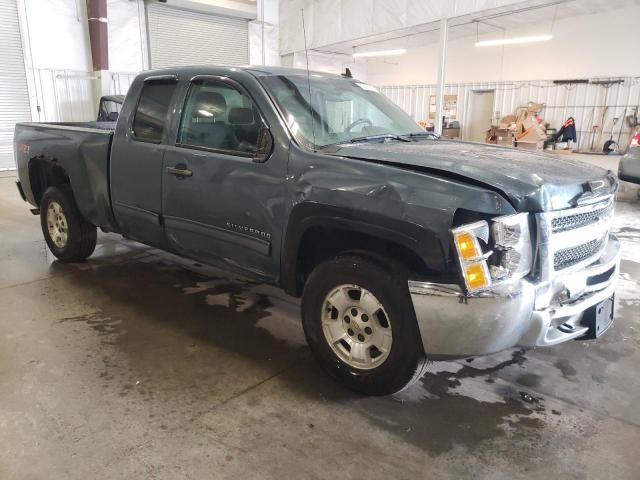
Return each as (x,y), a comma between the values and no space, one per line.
(69,236)
(609,146)
(360,324)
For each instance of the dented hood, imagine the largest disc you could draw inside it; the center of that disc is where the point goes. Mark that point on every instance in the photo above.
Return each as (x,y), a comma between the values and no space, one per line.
(530,181)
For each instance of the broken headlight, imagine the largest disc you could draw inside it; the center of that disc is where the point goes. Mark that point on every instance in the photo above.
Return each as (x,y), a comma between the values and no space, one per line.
(512,246)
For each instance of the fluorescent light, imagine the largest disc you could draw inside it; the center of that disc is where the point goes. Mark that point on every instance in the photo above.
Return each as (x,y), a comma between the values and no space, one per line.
(513,41)
(379,53)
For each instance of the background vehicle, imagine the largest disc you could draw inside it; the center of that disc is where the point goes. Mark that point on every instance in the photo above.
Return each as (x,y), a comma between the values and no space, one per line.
(109,108)
(629,168)
(403,246)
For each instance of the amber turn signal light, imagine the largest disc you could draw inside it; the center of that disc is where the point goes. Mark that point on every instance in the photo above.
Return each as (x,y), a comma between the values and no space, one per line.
(476,275)
(467,245)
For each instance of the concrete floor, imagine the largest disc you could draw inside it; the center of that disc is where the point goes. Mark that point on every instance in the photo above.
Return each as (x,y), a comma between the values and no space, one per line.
(137,364)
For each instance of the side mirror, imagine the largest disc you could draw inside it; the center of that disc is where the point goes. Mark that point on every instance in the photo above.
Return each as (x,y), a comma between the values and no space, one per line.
(264,146)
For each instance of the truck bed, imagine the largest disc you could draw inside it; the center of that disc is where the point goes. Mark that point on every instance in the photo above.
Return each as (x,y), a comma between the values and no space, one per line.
(82,149)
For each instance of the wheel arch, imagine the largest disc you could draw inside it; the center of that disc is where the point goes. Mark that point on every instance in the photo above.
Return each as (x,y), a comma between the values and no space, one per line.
(44,173)
(316,232)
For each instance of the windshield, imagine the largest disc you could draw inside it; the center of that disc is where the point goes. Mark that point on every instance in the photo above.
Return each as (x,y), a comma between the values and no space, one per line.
(340,109)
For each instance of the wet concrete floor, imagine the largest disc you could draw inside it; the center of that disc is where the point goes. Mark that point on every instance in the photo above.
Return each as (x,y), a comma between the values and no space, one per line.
(138,364)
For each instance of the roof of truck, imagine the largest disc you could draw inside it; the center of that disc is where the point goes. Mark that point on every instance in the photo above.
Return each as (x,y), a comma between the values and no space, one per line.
(257,70)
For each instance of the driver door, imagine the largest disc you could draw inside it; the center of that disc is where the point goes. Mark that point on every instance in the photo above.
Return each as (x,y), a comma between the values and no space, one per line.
(220,199)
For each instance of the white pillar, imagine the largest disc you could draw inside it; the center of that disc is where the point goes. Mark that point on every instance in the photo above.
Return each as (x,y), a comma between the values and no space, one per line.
(444,26)
(264,60)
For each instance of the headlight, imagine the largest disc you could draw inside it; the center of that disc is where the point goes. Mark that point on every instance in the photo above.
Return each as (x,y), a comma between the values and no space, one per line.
(512,243)
(507,252)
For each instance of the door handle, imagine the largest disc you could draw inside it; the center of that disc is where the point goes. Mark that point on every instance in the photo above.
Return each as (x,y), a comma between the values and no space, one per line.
(180,170)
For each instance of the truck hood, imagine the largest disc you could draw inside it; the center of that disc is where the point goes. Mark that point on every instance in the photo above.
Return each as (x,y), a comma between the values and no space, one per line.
(532,182)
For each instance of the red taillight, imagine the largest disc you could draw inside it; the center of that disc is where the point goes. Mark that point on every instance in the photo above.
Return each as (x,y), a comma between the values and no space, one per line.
(635,140)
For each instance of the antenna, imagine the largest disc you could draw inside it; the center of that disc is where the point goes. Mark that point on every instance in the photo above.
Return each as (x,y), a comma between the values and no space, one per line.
(306,56)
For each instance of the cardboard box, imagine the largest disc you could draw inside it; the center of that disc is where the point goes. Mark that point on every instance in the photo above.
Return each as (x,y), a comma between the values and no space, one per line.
(451,132)
(530,145)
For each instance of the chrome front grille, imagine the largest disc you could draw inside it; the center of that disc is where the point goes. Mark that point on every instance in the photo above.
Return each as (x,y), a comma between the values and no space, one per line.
(568,243)
(573,238)
(567,257)
(577,220)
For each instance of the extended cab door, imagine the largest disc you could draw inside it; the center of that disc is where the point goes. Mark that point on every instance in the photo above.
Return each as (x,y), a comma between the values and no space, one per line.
(136,160)
(224,181)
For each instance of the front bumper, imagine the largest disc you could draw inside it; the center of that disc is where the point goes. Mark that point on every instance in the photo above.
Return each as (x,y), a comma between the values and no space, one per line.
(453,324)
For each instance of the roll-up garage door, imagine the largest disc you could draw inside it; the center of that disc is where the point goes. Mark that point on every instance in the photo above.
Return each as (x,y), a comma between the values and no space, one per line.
(14,96)
(185,37)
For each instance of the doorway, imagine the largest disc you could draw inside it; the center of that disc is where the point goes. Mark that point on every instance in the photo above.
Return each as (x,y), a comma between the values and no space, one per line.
(480,114)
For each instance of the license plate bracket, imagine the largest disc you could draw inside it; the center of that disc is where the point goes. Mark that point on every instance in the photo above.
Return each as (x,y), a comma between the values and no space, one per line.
(600,317)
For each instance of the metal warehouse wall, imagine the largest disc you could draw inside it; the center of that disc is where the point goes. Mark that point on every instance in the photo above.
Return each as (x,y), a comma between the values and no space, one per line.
(63,95)
(121,81)
(587,103)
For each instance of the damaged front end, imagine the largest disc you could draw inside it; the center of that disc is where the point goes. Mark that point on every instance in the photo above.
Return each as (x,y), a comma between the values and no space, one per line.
(526,280)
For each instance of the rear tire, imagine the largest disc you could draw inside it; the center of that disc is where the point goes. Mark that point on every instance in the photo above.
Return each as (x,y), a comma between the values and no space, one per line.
(68,235)
(360,325)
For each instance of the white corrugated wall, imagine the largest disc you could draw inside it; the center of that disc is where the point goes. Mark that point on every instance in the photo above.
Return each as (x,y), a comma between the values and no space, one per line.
(14,96)
(590,104)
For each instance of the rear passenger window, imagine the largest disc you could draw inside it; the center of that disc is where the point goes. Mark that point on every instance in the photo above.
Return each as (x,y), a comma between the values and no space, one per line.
(151,114)
(217,116)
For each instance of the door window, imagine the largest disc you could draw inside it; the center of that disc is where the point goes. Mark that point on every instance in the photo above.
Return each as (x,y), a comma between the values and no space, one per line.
(151,115)
(219,117)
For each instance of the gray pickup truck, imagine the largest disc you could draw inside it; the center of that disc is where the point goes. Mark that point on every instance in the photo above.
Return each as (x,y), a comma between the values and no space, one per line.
(403,246)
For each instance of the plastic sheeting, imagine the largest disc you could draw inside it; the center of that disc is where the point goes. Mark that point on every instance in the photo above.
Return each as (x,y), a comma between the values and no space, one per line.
(270,42)
(334,21)
(58,34)
(127,35)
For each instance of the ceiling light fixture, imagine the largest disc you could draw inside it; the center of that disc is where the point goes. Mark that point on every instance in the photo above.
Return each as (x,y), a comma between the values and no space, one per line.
(379,53)
(513,41)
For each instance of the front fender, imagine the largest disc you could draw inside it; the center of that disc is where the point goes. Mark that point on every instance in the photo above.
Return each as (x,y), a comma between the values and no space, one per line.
(413,209)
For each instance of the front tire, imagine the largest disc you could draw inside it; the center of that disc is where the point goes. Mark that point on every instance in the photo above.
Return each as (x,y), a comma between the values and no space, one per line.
(68,235)
(360,324)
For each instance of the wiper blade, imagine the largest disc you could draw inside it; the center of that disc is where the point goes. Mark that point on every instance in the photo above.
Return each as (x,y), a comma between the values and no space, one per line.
(382,136)
(424,134)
